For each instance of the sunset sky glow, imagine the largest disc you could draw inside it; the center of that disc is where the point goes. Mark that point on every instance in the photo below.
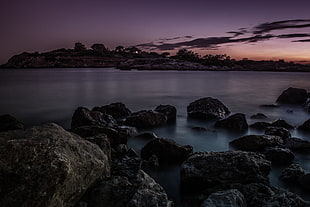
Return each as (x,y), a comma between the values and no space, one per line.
(264,29)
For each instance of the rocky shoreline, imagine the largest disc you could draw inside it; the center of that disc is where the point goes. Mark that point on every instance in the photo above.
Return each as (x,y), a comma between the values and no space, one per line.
(91,165)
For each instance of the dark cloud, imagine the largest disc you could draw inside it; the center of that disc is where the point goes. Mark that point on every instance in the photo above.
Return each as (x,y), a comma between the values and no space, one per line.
(177,38)
(280,25)
(293,35)
(306,40)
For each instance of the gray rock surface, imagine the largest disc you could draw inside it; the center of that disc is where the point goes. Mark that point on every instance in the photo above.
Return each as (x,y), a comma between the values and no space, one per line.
(292,173)
(227,198)
(116,110)
(278,155)
(169,111)
(278,131)
(146,119)
(236,122)
(255,142)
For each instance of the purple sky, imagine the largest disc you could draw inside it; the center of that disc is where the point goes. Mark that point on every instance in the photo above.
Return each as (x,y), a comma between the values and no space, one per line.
(43,25)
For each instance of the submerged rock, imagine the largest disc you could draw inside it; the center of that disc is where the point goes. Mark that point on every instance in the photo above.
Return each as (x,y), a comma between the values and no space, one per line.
(168,110)
(236,122)
(48,166)
(206,170)
(8,122)
(282,123)
(278,155)
(278,131)
(116,110)
(293,96)
(207,108)
(256,142)
(227,198)
(292,173)
(167,151)
(259,116)
(145,119)
(305,126)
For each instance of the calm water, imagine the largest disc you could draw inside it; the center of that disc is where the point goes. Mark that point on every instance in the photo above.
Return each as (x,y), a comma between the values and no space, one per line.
(52,95)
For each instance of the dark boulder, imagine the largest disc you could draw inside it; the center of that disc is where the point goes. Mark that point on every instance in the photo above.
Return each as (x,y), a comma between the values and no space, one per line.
(227,198)
(278,155)
(236,122)
(305,126)
(145,119)
(304,181)
(84,117)
(48,166)
(255,142)
(167,151)
(169,111)
(293,96)
(260,125)
(206,170)
(307,105)
(292,173)
(8,122)
(259,116)
(282,123)
(278,131)
(103,142)
(116,110)
(297,144)
(207,108)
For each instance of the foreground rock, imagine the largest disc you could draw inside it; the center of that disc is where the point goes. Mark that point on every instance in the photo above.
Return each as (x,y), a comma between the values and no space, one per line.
(116,110)
(236,122)
(146,119)
(297,144)
(293,96)
(207,170)
(84,117)
(166,150)
(292,173)
(304,181)
(227,198)
(47,166)
(8,122)
(256,142)
(305,126)
(169,111)
(278,131)
(207,108)
(278,155)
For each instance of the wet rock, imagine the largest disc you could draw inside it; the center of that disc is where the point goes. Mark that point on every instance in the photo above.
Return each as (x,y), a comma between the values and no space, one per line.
(103,142)
(282,123)
(169,111)
(84,117)
(307,105)
(167,151)
(147,135)
(293,96)
(207,108)
(292,173)
(297,144)
(236,122)
(255,142)
(280,156)
(116,110)
(152,162)
(8,122)
(278,131)
(305,126)
(259,116)
(227,198)
(116,137)
(145,119)
(130,131)
(122,148)
(206,170)
(48,166)
(304,181)
(260,125)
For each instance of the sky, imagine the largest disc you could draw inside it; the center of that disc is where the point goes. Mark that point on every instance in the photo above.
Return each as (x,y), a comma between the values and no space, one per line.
(265,29)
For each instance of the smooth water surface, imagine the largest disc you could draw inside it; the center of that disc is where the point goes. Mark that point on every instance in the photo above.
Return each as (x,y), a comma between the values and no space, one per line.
(51,95)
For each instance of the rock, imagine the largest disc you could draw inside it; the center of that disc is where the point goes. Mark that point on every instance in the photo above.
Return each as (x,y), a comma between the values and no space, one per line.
(293,96)
(255,142)
(48,166)
(307,105)
(260,125)
(145,119)
(297,144)
(292,173)
(130,131)
(152,162)
(147,135)
(304,181)
(227,198)
(278,131)
(167,151)
(236,122)
(207,108)
(116,110)
(305,126)
(206,170)
(282,123)
(8,122)
(280,156)
(122,148)
(203,129)
(116,137)
(103,142)
(169,111)
(84,117)
(259,116)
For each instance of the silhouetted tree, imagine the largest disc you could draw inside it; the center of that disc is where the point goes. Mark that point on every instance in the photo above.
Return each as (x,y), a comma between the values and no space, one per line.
(119,49)
(221,59)
(79,47)
(184,54)
(165,54)
(133,50)
(100,49)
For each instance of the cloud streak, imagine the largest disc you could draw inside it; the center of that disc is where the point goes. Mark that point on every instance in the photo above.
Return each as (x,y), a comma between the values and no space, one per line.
(259,33)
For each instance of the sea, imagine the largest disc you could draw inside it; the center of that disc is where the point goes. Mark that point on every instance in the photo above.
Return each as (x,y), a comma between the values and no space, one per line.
(36,96)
